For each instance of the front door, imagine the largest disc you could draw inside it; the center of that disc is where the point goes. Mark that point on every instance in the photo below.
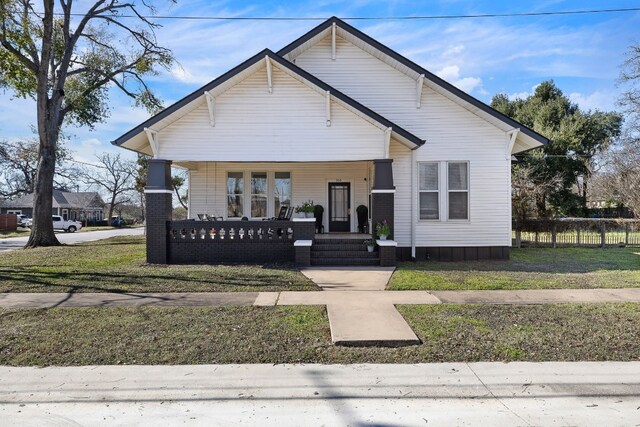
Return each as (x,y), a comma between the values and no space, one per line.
(339,206)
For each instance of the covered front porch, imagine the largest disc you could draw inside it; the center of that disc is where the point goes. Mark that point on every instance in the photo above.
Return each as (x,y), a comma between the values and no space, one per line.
(233,191)
(244,202)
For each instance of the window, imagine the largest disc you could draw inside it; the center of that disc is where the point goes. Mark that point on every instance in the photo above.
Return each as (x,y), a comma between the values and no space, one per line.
(258,194)
(281,191)
(458,189)
(235,193)
(429,190)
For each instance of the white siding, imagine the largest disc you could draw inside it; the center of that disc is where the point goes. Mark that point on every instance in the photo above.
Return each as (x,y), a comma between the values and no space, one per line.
(289,124)
(309,182)
(452,133)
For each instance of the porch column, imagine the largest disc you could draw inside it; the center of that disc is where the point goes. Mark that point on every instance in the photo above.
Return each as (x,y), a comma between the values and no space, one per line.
(158,195)
(382,194)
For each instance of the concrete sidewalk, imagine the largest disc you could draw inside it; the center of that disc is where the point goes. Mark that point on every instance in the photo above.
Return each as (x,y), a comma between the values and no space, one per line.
(497,394)
(359,318)
(106,299)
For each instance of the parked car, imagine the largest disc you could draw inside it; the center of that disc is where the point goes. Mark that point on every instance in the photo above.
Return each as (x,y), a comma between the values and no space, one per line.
(22,220)
(68,226)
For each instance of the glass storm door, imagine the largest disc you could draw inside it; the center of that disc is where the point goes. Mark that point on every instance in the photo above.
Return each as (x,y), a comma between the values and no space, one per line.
(339,206)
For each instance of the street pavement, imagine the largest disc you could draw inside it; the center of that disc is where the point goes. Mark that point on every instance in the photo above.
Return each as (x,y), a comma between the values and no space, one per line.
(71,238)
(447,394)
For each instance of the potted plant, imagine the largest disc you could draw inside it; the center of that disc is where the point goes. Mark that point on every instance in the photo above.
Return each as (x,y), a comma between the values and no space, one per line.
(383,229)
(362,212)
(370,244)
(306,209)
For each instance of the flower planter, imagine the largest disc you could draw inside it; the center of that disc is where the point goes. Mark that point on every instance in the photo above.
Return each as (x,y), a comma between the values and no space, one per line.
(382,237)
(308,214)
(370,248)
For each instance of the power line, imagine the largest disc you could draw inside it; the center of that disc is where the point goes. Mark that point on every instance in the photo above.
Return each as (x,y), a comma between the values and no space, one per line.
(375,18)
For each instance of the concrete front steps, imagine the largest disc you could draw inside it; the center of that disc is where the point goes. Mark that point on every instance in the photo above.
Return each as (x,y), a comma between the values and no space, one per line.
(341,251)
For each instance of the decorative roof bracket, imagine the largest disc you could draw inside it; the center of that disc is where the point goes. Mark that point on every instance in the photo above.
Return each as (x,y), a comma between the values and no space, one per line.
(419,85)
(387,142)
(513,133)
(328,107)
(211,104)
(152,136)
(269,80)
(333,42)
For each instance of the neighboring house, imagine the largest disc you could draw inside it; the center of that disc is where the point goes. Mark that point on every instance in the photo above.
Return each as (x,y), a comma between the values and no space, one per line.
(340,119)
(82,206)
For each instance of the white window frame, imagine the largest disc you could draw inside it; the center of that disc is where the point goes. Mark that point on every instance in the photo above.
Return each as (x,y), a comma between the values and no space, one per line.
(443,191)
(271,205)
(437,191)
(250,194)
(467,191)
(246,195)
(226,195)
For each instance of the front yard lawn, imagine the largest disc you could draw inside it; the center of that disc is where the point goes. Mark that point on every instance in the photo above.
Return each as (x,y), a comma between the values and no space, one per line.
(529,268)
(198,335)
(118,265)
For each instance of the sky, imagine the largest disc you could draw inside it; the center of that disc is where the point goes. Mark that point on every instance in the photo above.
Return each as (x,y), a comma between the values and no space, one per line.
(483,56)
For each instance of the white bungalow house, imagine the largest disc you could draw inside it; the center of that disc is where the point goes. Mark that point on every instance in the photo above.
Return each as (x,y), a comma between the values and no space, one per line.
(338,118)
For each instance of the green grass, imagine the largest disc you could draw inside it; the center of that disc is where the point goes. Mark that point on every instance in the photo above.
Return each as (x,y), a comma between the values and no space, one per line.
(118,265)
(528,268)
(19,232)
(198,335)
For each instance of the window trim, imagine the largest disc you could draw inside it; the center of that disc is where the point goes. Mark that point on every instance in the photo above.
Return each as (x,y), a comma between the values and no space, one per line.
(443,191)
(244,195)
(247,194)
(437,191)
(467,191)
(251,194)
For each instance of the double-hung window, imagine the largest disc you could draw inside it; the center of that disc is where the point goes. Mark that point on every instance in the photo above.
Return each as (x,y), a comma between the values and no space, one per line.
(443,191)
(429,190)
(458,190)
(258,194)
(281,191)
(235,194)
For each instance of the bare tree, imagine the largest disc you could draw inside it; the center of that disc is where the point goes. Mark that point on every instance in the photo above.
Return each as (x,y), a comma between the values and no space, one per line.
(114,176)
(19,167)
(525,192)
(621,181)
(66,60)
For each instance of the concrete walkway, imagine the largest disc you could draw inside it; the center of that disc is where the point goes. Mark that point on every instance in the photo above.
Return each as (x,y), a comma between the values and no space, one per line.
(446,394)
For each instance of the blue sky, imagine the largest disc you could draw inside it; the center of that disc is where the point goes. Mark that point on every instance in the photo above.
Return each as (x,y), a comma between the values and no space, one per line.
(581,53)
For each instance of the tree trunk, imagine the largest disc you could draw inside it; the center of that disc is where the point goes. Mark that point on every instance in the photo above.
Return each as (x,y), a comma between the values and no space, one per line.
(585,210)
(49,123)
(42,226)
(541,205)
(112,206)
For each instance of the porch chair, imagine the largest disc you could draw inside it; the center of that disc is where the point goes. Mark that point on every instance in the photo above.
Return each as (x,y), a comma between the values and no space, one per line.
(282,215)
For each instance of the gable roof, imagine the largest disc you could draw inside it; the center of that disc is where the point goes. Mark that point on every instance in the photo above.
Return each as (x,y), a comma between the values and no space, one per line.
(61,199)
(397,130)
(308,39)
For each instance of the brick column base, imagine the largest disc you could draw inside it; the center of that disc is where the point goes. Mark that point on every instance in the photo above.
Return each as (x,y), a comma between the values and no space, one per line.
(387,256)
(382,206)
(159,211)
(303,252)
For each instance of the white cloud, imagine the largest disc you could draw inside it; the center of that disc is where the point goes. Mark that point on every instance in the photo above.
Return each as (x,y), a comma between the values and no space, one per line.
(598,100)
(451,73)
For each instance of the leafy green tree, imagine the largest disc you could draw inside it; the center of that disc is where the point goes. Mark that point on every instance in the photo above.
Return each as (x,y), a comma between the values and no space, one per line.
(66,59)
(568,161)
